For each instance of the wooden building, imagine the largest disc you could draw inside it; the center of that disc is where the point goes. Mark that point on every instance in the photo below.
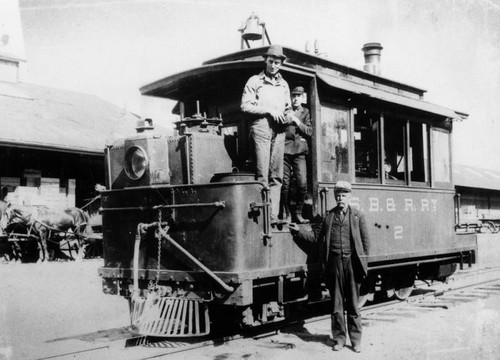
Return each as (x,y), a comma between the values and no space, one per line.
(52,141)
(478,190)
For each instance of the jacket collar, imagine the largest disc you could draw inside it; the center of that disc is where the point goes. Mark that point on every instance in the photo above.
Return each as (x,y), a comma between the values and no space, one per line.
(277,80)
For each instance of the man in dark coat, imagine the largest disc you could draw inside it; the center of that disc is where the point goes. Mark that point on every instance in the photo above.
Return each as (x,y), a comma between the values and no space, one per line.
(344,245)
(297,135)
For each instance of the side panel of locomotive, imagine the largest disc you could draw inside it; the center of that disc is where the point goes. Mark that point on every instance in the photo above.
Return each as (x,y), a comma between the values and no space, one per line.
(407,224)
(227,238)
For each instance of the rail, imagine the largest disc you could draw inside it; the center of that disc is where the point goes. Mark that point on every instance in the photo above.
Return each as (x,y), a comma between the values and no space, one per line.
(216,204)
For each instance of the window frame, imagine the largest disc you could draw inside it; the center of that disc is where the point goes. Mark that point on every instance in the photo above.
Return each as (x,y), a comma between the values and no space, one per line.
(350,138)
(433,157)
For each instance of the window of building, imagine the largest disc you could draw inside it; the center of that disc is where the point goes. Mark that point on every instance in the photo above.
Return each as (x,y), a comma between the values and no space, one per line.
(334,143)
(366,138)
(394,149)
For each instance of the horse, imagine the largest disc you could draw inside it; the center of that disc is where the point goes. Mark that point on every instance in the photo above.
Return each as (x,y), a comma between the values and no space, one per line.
(3,208)
(44,222)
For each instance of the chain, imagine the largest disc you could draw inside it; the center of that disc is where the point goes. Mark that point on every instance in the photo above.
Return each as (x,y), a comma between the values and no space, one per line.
(158,235)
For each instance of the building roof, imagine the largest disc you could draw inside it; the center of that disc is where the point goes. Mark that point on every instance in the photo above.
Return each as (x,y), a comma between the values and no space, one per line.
(54,119)
(475,177)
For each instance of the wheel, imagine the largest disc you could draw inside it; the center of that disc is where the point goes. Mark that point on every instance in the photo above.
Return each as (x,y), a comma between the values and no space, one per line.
(364,298)
(72,248)
(400,285)
(403,293)
(403,286)
(366,291)
(93,246)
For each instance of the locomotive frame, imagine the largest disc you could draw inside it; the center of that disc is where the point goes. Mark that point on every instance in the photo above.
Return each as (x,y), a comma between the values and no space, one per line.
(189,241)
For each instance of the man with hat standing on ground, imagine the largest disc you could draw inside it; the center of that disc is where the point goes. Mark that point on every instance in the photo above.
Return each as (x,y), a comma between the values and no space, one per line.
(296,149)
(344,245)
(266,97)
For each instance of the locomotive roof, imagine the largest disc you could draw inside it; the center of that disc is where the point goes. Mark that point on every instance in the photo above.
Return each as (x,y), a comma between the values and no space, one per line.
(230,72)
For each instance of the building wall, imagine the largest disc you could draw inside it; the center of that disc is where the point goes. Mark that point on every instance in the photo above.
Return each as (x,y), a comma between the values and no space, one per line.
(478,204)
(34,177)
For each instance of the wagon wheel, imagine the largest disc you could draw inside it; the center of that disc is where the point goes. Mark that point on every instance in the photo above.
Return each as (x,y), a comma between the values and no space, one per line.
(93,246)
(24,244)
(72,247)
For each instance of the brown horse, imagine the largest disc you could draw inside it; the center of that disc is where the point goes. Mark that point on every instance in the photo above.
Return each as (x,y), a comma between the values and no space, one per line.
(44,222)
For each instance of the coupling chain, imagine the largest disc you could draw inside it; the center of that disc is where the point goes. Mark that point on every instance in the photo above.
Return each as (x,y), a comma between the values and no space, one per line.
(158,236)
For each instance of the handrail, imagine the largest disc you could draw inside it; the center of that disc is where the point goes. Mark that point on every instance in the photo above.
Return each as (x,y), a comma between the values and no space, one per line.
(217,204)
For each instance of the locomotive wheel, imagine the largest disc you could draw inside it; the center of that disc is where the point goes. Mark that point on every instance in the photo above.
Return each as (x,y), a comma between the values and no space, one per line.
(366,291)
(403,288)
(403,293)
(364,298)
(399,286)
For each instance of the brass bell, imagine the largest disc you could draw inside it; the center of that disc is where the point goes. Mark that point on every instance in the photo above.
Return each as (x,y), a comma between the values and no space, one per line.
(251,30)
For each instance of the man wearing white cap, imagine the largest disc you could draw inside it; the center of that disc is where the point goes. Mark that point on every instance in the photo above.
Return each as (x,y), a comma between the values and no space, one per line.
(266,97)
(344,245)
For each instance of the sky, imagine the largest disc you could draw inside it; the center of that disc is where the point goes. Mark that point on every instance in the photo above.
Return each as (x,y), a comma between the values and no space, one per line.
(111,48)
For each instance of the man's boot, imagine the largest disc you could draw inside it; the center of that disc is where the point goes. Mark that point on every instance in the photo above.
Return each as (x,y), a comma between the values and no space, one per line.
(300,220)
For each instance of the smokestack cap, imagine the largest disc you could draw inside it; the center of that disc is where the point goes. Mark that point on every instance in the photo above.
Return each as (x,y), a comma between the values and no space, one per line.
(373,48)
(372,52)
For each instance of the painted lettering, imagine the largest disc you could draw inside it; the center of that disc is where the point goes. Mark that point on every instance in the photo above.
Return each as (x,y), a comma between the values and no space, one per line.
(425,204)
(374,204)
(390,204)
(355,203)
(434,204)
(398,232)
(409,205)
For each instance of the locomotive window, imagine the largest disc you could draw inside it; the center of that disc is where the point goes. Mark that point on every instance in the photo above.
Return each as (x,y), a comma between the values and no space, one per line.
(394,149)
(419,153)
(441,156)
(366,128)
(334,143)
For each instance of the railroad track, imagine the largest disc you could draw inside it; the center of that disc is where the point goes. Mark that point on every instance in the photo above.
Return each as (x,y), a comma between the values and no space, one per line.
(466,286)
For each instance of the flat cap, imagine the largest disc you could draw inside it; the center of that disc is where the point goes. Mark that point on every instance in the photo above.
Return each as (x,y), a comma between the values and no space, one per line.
(275,51)
(342,186)
(298,90)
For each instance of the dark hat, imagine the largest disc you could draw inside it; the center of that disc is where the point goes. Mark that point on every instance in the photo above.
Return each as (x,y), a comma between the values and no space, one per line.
(276,51)
(342,186)
(298,90)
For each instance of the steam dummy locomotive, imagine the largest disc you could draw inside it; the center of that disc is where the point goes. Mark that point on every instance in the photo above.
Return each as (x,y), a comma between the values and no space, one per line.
(187,233)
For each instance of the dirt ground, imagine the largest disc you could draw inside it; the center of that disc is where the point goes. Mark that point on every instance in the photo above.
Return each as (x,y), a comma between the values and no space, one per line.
(46,301)
(43,302)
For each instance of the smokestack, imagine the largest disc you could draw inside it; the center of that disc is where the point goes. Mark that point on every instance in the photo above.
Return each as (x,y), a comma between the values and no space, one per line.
(372,52)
